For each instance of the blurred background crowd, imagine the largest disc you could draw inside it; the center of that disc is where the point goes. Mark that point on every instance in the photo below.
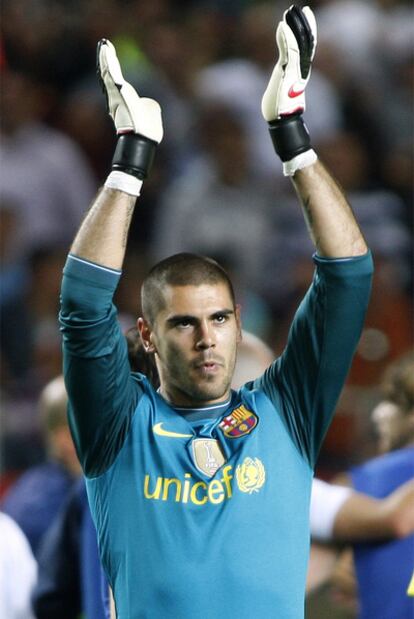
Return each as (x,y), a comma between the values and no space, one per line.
(216,186)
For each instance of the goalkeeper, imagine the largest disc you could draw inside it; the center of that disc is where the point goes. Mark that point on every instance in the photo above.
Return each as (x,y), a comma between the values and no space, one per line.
(200,493)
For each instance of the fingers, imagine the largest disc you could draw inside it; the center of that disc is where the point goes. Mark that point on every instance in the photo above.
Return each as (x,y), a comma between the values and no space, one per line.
(309,14)
(282,43)
(301,34)
(153,122)
(108,62)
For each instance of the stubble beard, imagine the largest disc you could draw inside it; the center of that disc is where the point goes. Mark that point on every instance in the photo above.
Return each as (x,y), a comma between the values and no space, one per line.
(209,389)
(203,389)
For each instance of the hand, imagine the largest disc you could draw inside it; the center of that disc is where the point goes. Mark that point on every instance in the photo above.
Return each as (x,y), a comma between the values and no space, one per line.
(344,583)
(130,112)
(296,40)
(137,121)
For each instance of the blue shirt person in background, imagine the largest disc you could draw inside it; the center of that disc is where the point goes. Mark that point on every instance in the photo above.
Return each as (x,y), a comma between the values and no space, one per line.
(384,571)
(35,498)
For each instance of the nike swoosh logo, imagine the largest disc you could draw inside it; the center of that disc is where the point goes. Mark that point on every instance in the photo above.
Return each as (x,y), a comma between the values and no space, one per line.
(157,429)
(295,93)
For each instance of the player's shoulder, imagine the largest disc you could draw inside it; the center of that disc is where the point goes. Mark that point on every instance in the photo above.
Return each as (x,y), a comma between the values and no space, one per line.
(385,471)
(352,267)
(254,393)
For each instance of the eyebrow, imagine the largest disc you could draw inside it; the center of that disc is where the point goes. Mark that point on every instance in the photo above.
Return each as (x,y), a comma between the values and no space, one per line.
(177,318)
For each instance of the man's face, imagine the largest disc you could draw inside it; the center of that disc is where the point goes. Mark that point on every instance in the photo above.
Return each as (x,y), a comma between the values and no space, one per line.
(394,428)
(194,338)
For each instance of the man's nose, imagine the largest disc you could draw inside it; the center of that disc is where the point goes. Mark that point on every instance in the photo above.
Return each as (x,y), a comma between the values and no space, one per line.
(205,337)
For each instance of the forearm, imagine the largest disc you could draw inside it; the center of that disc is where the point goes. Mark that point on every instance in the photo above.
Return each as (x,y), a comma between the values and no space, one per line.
(102,237)
(362,518)
(329,217)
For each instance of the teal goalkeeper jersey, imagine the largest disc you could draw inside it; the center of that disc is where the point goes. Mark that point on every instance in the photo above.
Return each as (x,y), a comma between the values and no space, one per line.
(204,514)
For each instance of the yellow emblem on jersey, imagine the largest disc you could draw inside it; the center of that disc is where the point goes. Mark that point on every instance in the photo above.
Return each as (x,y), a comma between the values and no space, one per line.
(410,590)
(250,475)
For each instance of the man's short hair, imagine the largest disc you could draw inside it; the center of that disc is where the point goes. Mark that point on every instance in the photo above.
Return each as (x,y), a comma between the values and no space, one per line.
(53,403)
(398,383)
(184,269)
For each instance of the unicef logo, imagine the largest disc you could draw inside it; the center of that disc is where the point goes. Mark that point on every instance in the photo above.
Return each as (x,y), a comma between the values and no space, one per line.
(250,475)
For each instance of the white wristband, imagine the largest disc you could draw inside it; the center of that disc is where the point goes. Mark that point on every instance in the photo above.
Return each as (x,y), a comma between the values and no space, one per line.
(300,161)
(326,501)
(124,182)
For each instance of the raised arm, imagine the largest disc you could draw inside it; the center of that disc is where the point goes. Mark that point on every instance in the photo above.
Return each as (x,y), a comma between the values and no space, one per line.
(305,381)
(102,236)
(341,514)
(329,217)
(363,518)
(102,393)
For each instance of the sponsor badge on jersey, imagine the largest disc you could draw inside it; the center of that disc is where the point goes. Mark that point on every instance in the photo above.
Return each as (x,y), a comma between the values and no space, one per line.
(239,423)
(207,455)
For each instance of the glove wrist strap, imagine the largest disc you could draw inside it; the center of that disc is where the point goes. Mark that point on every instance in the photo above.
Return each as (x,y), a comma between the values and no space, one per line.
(290,136)
(134,155)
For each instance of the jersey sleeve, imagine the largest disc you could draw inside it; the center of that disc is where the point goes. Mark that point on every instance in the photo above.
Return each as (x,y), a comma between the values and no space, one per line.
(102,392)
(305,382)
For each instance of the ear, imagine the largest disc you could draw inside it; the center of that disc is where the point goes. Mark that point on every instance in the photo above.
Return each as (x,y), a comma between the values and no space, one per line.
(238,322)
(145,332)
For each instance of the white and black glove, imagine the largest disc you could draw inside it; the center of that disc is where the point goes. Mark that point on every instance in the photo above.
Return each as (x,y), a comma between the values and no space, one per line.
(137,121)
(284,99)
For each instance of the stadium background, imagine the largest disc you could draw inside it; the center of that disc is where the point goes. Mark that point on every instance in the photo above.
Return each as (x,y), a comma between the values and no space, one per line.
(216,186)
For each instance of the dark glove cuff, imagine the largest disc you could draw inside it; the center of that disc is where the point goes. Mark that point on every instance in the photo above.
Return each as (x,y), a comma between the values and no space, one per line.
(290,136)
(134,154)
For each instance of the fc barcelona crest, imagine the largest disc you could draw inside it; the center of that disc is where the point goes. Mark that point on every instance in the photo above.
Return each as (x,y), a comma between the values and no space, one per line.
(239,423)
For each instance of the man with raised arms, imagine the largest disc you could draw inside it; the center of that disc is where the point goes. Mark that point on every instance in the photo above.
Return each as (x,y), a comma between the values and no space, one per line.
(200,493)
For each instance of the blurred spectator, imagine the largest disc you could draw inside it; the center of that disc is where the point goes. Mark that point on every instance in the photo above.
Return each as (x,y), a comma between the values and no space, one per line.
(219,188)
(382,587)
(82,116)
(46,39)
(394,416)
(14,283)
(37,495)
(18,571)
(44,174)
(46,264)
(70,576)
(397,126)
(31,356)
(353,29)
(168,50)
(44,185)
(366,49)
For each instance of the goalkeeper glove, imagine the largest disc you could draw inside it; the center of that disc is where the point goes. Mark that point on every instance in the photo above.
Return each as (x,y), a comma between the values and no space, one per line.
(137,121)
(284,99)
